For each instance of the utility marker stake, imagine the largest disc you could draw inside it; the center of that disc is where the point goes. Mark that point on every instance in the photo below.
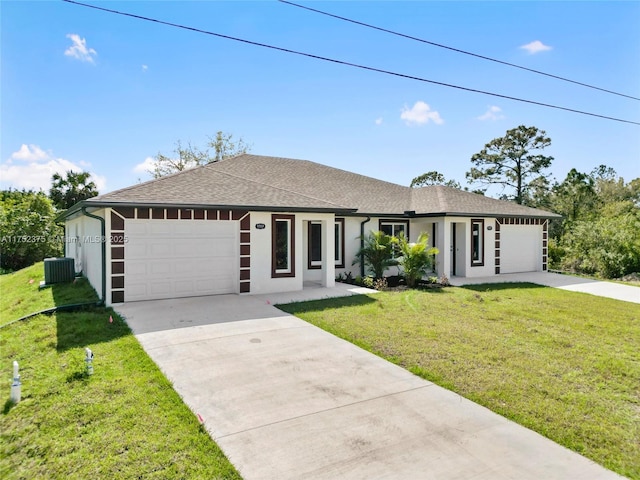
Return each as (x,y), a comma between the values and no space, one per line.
(89,360)
(16,385)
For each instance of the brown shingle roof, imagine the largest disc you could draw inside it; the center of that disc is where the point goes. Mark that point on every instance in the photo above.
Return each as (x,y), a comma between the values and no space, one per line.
(447,200)
(272,182)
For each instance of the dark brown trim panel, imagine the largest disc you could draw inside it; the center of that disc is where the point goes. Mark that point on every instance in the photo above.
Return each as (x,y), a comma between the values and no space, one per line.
(291,247)
(480,246)
(310,265)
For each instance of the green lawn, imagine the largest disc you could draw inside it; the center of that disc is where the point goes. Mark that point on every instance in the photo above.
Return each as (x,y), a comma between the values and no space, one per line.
(20,295)
(124,421)
(564,364)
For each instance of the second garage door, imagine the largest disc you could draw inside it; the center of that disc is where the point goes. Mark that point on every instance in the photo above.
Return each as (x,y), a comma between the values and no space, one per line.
(520,248)
(180,258)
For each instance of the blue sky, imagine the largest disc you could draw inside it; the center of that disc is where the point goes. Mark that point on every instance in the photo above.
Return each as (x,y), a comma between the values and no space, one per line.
(87,90)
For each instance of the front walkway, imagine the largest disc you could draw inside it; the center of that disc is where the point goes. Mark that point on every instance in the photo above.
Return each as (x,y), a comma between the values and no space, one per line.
(617,291)
(287,400)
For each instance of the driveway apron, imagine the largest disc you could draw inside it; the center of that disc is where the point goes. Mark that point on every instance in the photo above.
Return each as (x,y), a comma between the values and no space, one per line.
(287,400)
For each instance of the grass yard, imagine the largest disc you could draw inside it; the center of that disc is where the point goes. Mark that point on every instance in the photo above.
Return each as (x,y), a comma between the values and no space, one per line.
(20,295)
(124,421)
(564,364)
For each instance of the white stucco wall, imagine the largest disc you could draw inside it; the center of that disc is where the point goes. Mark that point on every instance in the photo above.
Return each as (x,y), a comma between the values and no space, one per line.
(261,281)
(441,240)
(352,238)
(351,244)
(463,247)
(84,244)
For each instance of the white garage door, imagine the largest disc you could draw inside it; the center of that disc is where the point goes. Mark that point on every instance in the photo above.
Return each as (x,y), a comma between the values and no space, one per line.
(180,258)
(520,248)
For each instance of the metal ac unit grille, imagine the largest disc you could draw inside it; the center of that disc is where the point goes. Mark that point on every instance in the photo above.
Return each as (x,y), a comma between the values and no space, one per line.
(58,270)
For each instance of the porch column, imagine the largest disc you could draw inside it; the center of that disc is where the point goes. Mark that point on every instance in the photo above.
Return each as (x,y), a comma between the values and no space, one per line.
(328,253)
(443,259)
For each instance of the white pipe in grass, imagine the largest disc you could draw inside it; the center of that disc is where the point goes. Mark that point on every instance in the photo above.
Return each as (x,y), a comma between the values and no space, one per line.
(16,385)
(89,360)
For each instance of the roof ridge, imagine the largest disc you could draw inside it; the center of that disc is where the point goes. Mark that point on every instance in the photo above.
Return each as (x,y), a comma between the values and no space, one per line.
(322,165)
(281,189)
(159,179)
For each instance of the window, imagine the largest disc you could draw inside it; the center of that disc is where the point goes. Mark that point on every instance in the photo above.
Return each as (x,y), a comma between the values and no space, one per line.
(477,243)
(315,245)
(282,246)
(394,228)
(339,242)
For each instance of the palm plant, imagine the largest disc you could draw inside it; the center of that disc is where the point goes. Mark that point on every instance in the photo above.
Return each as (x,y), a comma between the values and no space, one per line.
(416,259)
(377,253)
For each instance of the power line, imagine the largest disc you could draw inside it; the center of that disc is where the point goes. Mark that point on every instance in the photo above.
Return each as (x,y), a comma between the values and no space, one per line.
(483,57)
(341,62)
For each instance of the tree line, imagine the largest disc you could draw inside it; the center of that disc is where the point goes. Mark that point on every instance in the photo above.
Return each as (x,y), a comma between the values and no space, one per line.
(599,232)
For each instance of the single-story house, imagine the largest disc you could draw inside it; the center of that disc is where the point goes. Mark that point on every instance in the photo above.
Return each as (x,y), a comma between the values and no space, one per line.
(255,224)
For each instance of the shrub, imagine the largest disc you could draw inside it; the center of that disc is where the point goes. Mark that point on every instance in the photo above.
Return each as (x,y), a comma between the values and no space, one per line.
(416,259)
(608,247)
(377,253)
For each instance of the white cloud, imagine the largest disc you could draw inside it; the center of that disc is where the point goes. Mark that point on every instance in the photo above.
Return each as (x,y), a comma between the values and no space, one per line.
(492,113)
(36,167)
(420,114)
(379,121)
(144,167)
(79,49)
(145,68)
(29,153)
(536,47)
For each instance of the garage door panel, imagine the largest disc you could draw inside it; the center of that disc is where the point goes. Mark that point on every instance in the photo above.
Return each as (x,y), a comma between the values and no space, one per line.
(135,229)
(159,268)
(158,249)
(137,290)
(180,258)
(163,228)
(183,287)
(133,269)
(135,250)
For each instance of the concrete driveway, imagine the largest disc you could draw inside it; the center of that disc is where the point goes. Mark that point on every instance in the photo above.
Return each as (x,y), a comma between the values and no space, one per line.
(617,291)
(286,400)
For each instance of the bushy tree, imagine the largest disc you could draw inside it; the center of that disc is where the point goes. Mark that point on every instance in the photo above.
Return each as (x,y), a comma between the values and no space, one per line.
(73,187)
(28,232)
(513,162)
(433,178)
(608,246)
(416,258)
(598,234)
(575,199)
(377,253)
(185,157)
